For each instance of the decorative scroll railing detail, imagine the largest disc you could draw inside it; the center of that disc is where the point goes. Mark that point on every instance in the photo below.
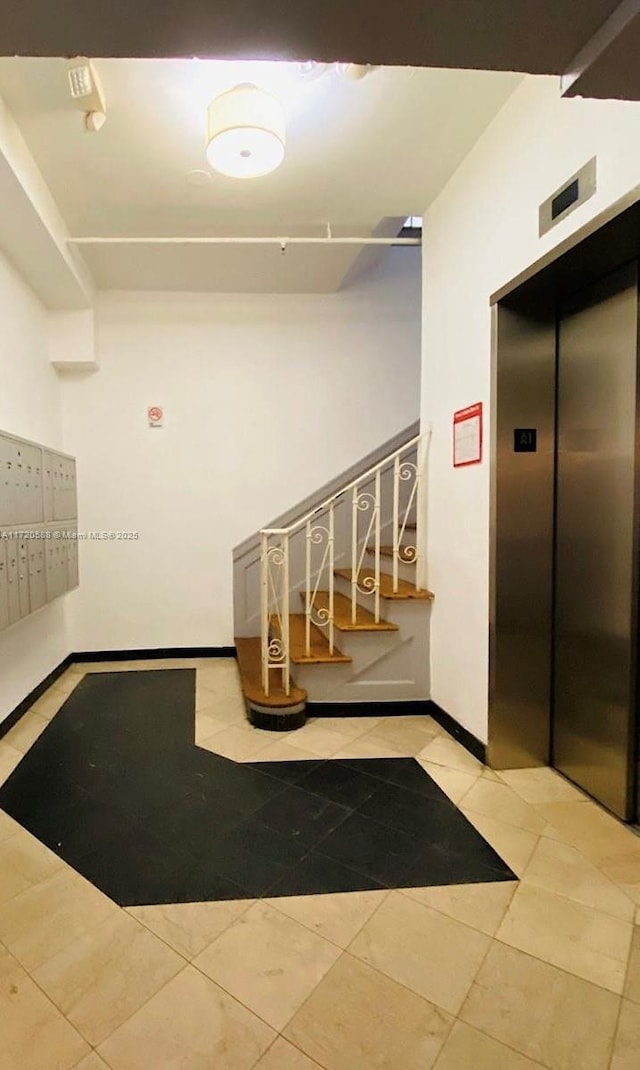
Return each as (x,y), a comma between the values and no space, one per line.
(274,585)
(322,535)
(371,515)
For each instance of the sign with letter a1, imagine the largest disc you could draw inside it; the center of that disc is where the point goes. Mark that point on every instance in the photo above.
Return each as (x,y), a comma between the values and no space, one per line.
(467,436)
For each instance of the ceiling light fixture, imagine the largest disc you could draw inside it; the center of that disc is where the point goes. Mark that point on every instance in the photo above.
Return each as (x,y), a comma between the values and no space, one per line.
(310,70)
(246,133)
(355,72)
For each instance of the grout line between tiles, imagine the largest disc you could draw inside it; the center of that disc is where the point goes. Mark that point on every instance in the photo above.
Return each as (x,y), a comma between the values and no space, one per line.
(563,969)
(614,1036)
(274,903)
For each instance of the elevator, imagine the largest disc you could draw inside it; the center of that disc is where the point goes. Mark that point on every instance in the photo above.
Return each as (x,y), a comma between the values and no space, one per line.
(565,524)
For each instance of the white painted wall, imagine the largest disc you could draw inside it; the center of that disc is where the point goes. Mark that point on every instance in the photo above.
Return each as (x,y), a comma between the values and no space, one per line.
(266,398)
(480,232)
(30,407)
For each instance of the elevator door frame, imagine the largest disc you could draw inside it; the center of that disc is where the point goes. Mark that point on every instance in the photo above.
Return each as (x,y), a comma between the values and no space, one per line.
(524,356)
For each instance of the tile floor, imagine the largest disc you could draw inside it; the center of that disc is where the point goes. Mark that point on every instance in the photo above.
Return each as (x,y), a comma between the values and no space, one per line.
(539,973)
(117,787)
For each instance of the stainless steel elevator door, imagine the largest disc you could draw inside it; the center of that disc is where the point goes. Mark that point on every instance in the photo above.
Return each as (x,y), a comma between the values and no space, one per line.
(594,654)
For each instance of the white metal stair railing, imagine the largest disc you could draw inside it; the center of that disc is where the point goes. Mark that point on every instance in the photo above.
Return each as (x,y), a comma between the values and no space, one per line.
(407,469)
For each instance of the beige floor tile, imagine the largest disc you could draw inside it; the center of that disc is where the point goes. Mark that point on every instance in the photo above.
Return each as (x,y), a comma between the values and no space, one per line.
(43,920)
(596,834)
(269,962)
(349,727)
(406,735)
(445,751)
(26,731)
(228,702)
(283,1056)
(468,1049)
(626,1048)
(541,785)
(357,1019)
(625,873)
(551,833)
(319,740)
(586,942)
(191,1024)
(433,955)
(222,679)
(9,759)
(367,748)
(632,890)
(33,1033)
(69,680)
(453,782)
(104,977)
(190,927)
(206,725)
(490,774)
(337,917)
(547,1014)
(559,867)
(482,906)
(225,704)
(500,802)
(229,709)
(8,827)
(281,751)
(24,861)
(632,984)
(205,700)
(92,1062)
(49,704)
(238,742)
(514,845)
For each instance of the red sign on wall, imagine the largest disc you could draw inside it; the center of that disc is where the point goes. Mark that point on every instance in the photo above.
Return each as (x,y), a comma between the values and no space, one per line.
(467,436)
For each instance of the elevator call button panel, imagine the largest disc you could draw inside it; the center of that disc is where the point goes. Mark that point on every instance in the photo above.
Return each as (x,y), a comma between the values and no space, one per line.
(525,439)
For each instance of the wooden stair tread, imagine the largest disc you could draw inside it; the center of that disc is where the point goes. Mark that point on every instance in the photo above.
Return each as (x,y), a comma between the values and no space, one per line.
(405,590)
(319,654)
(406,553)
(365,621)
(250,666)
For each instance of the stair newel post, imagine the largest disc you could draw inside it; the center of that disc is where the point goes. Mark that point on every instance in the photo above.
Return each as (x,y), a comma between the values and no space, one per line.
(286,651)
(378,508)
(264,609)
(307,593)
(396,521)
(332,578)
(354,555)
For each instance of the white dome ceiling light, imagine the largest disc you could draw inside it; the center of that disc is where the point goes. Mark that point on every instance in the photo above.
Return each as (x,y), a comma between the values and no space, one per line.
(246,133)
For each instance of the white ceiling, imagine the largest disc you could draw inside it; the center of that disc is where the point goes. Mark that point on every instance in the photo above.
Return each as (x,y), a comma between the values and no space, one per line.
(359,153)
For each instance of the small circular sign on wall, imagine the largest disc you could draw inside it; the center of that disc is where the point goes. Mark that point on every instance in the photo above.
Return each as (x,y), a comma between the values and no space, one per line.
(155,416)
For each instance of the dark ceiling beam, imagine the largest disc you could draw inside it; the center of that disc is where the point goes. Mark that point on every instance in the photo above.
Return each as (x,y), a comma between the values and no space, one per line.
(608,65)
(535,36)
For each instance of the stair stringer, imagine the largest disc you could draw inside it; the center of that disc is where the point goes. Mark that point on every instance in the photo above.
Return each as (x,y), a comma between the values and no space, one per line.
(386,666)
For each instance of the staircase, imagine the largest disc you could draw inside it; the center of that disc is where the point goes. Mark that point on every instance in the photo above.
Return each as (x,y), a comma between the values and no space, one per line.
(343,599)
